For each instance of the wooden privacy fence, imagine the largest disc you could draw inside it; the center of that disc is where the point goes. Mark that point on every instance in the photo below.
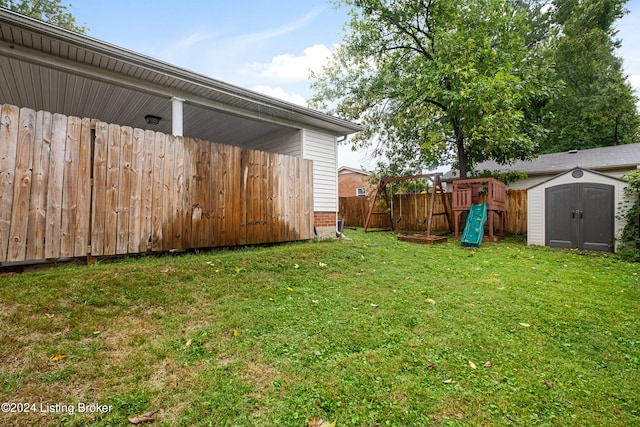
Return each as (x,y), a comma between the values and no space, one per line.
(73,187)
(354,211)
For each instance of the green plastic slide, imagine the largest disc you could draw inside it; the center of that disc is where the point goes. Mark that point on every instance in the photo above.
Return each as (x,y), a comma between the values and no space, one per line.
(474,228)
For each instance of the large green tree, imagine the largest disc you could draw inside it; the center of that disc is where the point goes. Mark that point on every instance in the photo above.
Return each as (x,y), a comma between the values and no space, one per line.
(438,81)
(595,106)
(51,11)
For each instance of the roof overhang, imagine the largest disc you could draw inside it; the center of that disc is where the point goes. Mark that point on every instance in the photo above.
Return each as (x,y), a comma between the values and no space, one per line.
(49,68)
(595,172)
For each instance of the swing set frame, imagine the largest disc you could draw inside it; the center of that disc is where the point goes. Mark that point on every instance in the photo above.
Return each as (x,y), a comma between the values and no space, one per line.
(381,191)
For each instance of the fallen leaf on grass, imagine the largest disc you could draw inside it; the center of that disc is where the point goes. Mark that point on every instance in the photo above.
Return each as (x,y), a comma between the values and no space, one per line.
(319,422)
(322,264)
(290,289)
(449,381)
(59,356)
(526,325)
(235,333)
(49,315)
(188,343)
(374,305)
(473,365)
(488,364)
(143,418)
(549,384)
(430,301)
(432,366)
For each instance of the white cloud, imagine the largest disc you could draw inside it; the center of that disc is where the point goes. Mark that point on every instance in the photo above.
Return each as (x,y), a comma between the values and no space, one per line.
(278,92)
(294,25)
(289,67)
(219,53)
(183,50)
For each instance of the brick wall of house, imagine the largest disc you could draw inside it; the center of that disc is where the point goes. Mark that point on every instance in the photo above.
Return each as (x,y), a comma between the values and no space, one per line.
(325,219)
(349,182)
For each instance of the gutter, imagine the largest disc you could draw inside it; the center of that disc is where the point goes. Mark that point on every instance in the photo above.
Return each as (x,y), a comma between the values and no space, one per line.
(164,68)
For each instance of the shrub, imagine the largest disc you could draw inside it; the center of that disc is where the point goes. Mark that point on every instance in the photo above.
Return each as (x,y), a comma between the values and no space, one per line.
(630,237)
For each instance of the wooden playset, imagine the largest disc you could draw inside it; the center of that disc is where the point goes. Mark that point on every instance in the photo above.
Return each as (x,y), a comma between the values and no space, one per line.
(467,192)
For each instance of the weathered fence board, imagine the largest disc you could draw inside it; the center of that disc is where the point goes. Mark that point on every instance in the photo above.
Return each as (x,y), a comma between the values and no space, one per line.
(73,187)
(124,190)
(135,202)
(9,126)
(167,193)
(83,217)
(99,199)
(146,222)
(53,228)
(409,207)
(202,221)
(70,187)
(22,186)
(110,230)
(157,193)
(39,183)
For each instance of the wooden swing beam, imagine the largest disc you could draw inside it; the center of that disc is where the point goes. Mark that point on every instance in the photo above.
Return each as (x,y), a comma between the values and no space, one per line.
(434,178)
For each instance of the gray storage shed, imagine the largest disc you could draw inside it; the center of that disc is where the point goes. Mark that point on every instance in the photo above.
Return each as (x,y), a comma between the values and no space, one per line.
(579,208)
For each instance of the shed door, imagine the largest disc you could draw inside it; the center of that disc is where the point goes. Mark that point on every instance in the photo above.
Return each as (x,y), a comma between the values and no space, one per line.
(580,216)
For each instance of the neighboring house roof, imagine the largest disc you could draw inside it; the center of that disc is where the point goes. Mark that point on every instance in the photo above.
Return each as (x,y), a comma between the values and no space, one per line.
(598,159)
(49,68)
(346,169)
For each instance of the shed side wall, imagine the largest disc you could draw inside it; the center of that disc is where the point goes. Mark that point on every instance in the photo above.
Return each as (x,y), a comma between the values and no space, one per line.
(535,216)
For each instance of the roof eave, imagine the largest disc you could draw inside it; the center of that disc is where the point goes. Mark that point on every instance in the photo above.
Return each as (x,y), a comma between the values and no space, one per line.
(338,126)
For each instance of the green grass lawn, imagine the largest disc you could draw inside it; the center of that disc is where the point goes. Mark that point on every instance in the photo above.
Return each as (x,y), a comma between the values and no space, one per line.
(368,332)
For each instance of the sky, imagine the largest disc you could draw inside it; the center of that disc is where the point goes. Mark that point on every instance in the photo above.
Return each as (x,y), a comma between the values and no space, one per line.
(266,46)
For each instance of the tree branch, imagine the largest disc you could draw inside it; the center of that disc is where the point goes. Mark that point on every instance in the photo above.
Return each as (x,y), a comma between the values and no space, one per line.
(387,16)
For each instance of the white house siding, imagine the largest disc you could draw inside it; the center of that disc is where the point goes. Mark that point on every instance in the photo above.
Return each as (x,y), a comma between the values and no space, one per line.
(536,202)
(285,141)
(322,149)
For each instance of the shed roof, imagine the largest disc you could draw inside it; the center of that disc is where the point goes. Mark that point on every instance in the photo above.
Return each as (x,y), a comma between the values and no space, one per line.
(553,178)
(49,68)
(598,159)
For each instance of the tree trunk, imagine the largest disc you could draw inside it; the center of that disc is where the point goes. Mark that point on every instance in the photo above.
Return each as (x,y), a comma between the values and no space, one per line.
(462,154)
